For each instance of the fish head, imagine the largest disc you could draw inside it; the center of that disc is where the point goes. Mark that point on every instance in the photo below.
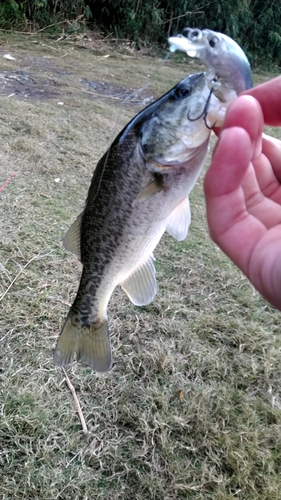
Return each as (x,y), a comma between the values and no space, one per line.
(176,126)
(221,54)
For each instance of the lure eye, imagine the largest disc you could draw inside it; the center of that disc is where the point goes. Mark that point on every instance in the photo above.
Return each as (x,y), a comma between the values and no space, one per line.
(195,33)
(183,92)
(213,42)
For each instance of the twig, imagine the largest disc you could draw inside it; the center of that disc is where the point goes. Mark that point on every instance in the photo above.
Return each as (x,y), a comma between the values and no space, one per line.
(56,299)
(7,181)
(185,14)
(95,93)
(2,268)
(36,257)
(107,96)
(50,26)
(49,46)
(72,390)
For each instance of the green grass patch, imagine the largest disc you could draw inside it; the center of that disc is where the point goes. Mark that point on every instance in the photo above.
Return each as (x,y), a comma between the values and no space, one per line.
(191,408)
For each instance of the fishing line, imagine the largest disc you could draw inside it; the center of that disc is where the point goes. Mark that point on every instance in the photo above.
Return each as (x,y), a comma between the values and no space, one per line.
(149,81)
(124,101)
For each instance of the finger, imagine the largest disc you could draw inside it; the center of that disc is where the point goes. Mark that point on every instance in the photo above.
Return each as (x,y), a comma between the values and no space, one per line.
(230,225)
(263,207)
(265,266)
(229,162)
(234,230)
(268,95)
(246,112)
(265,175)
(271,148)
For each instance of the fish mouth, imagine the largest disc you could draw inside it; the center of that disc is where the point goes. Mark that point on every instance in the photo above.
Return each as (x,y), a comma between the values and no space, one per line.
(197,77)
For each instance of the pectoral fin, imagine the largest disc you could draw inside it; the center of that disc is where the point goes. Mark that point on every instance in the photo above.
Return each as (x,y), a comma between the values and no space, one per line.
(150,190)
(71,241)
(179,220)
(141,286)
(157,168)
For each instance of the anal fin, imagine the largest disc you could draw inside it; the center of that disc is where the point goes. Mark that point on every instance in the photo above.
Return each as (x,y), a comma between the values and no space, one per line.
(141,286)
(179,220)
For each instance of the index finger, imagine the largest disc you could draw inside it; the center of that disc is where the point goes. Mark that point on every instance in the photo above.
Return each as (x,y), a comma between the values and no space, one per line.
(271,148)
(268,94)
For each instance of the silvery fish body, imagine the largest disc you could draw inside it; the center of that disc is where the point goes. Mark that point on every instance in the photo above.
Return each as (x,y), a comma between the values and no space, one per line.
(223,57)
(139,190)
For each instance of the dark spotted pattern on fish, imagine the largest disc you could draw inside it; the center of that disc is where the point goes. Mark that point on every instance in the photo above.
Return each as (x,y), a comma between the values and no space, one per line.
(135,195)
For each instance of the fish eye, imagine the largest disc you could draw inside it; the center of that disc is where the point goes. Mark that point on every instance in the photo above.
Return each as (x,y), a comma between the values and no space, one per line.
(213,42)
(183,92)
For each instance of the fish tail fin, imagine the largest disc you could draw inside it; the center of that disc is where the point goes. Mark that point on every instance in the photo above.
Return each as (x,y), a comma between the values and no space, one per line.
(91,344)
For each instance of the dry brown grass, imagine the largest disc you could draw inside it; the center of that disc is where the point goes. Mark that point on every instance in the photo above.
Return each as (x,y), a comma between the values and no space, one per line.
(191,408)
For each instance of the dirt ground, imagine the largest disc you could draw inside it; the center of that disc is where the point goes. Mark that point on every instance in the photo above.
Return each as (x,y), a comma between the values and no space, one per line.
(35,77)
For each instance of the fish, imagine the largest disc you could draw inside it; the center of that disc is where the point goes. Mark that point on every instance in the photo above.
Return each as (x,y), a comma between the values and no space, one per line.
(139,190)
(223,57)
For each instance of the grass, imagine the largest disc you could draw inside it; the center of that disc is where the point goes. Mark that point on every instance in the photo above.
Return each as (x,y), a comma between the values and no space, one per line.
(191,408)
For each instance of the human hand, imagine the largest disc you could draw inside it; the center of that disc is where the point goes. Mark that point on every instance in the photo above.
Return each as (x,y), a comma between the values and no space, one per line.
(243,189)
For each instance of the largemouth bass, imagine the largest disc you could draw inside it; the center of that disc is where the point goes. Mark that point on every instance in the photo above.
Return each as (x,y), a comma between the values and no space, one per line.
(139,190)
(223,57)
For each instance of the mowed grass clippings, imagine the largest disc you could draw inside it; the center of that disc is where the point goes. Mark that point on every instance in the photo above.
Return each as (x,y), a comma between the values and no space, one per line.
(191,408)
